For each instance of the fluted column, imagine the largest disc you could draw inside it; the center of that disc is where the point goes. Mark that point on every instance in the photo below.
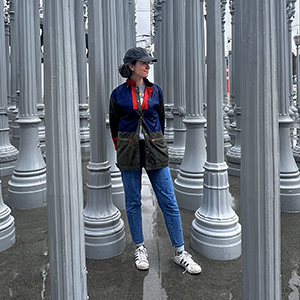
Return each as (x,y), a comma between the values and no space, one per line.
(84,114)
(177,149)
(227,144)
(289,173)
(27,186)
(169,123)
(158,51)
(293,111)
(232,111)
(131,23)
(112,59)
(15,69)
(233,156)
(104,228)
(7,224)
(296,149)
(290,12)
(40,104)
(8,153)
(216,232)
(260,207)
(188,185)
(123,41)
(123,16)
(64,173)
(7,48)
(167,64)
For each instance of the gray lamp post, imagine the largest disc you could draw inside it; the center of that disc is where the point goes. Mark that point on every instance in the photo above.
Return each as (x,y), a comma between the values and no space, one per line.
(7,225)
(8,153)
(227,144)
(216,232)
(82,77)
(289,173)
(188,185)
(7,47)
(260,205)
(290,13)
(296,150)
(234,154)
(27,186)
(14,57)
(64,173)
(176,151)
(297,43)
(104,228)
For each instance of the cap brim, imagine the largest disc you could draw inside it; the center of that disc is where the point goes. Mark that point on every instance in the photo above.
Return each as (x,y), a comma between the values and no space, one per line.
(148,59)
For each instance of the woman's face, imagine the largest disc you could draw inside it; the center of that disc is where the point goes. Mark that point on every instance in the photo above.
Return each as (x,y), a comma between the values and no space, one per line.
(140,69)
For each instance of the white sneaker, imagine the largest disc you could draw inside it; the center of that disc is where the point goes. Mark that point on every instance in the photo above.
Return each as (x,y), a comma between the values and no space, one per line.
(141,258)
(185,260)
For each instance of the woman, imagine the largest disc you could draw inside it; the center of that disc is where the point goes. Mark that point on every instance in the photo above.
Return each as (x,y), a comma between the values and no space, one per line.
(137,128)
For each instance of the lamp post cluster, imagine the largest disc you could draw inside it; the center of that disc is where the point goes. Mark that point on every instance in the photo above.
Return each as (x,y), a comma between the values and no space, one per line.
(270,179)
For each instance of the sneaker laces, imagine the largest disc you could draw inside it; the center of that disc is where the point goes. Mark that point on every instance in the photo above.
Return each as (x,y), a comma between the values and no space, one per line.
(186,261)
(141,254)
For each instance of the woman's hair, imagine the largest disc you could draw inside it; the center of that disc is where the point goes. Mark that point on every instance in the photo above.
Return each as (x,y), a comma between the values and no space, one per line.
(125,70)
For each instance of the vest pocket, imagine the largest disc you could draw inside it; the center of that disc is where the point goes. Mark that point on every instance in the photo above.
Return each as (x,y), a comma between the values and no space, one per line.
(128,150)
(156,150)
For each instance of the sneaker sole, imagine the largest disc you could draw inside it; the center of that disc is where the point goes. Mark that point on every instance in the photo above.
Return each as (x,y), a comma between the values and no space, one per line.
(187,270)
(142,268)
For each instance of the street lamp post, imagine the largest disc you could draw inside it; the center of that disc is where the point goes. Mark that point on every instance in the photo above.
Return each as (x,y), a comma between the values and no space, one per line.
(297,43)
(296,150)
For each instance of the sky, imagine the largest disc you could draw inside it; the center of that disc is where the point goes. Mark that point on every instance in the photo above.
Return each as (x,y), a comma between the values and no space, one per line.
(143,20)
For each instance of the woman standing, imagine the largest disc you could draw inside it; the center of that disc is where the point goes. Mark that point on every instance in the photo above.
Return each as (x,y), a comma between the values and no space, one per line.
(137,128)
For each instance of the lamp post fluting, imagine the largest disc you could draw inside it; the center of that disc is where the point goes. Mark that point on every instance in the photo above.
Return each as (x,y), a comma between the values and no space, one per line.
(188,185)
(103,226)
(289,172)
(7,224)
(216,232)
(296,149)
(84,114)
(177,149)
(260,202)
(27,186)
(64,171)
(8,153)
(233,156)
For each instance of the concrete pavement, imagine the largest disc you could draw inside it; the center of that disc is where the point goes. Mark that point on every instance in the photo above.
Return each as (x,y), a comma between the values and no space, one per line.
(24,268)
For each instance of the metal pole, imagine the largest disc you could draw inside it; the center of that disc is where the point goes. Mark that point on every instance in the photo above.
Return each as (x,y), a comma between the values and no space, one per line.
(260,203)
(14,36)
(167,64)
(27,186)
(82,77)
(296,149)
(216,232)
(8,153)
(40,104)
(7,47)
(233,156)
(115,42)
(64,172)
(177,149)
(7,226)
(188,185)
(289,173)
(227,144)
(104,228)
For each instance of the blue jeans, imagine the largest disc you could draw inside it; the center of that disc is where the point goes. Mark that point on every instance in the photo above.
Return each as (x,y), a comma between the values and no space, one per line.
(163,187)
